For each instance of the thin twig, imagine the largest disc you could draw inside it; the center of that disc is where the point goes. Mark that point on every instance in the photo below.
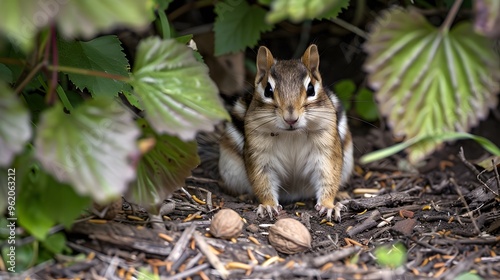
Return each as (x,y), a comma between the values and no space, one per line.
(188,195)
(187,273)
(211,257)
(35,269)
(469,165)
(452,180)
(201,180)
(484,183)
(496,176)
(181,244)
(335,256)
(29,77)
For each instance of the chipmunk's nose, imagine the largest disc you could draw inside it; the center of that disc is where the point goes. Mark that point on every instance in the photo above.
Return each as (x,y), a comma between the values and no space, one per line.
(291,121)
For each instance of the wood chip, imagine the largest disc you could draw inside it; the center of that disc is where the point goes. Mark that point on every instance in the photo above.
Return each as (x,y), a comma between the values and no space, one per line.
(270,261)
(251,256)
(253,240)
(238,265)
(97,221)
(135,218)
(166,237)
(197,200)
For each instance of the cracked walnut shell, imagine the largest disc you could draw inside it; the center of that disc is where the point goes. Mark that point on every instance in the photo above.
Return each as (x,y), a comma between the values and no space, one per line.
(226,224)
(289,236)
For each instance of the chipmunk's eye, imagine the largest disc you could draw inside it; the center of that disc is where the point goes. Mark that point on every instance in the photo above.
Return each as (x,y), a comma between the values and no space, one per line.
(310,90)
(268,91)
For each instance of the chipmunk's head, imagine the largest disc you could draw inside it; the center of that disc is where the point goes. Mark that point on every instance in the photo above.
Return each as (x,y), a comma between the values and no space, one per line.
(289,94)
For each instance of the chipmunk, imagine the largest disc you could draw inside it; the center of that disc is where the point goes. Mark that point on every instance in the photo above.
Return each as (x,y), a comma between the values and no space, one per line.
(288,140)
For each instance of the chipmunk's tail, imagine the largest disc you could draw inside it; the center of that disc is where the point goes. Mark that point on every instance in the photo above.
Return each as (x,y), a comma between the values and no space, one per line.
(208,150)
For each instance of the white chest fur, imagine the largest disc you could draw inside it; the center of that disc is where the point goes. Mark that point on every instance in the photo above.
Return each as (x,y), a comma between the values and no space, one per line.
(292,158)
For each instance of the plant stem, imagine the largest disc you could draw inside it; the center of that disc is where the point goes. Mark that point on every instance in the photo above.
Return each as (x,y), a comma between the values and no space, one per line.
(87,72)
(55,61)
(354,29)
(29,77)
(445,27)
(12,61)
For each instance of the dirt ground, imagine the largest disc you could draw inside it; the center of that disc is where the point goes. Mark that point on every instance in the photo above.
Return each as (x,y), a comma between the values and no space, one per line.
(444,216)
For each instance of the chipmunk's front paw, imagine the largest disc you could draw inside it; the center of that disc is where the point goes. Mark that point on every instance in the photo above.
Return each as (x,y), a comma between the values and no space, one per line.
(271,210)
(329,210)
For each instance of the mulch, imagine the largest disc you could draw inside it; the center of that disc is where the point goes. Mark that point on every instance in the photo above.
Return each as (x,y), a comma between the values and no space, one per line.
(446,216)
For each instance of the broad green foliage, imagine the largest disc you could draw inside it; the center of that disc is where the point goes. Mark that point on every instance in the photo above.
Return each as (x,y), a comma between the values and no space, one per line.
(178,95)
(55,243)
(41,201)
(300,10)
(15,127)
(163,169)
(25,256)
(37,195)
(345,89)
(392,257)
(101,54)
(89,148)
(22,19)
(363,100)
(365,105)
(430,81)
(238,26)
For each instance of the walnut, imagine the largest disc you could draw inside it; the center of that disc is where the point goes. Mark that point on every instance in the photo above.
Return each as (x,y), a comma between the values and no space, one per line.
(226,224)
(289,236)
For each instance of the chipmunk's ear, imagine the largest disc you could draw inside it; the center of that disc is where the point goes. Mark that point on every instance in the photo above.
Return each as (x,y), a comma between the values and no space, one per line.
(264,62)
(310,58)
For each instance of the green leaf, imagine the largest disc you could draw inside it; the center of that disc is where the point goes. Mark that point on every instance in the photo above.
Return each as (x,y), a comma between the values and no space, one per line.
(448,136)
(89,17)
(393,256)
(5,74)
(178,95)
(55,243)
(22,19)
(468,276)
(487,17)
(26,256)
(163,25)
(133,99)
(237,27)
(365,105)
(300,10)
(15,127)
(37,194)
(184,39)
(145,274)
(163,169)
(60,92)
(103,54)
(429,81)
(345,90)
(4,190)
(90,148)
